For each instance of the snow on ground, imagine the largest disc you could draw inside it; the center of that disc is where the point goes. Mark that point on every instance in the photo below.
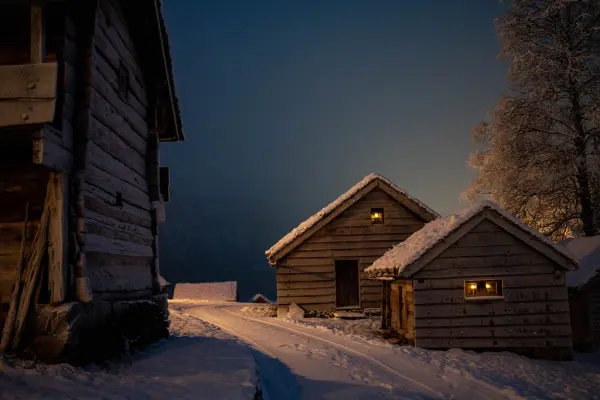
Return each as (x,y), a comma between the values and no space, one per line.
(260,310)
(198,361)
(325,365)
(578,379)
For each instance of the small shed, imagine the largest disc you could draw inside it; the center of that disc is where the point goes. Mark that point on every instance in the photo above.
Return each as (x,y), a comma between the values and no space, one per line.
(208,291)
(584,292)
(319,265)
(479,279)
(260,299)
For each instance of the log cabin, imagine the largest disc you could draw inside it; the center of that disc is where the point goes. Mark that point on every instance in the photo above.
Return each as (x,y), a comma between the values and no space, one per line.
(319,264)
(479,279)
(87,96)
(584,293)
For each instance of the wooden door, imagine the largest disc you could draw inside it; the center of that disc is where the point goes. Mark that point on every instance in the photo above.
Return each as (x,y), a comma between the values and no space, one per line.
(347,283)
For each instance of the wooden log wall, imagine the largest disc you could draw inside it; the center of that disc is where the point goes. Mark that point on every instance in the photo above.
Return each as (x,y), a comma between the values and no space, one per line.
(119,239)
(534,311)
(20,182)
(307,275)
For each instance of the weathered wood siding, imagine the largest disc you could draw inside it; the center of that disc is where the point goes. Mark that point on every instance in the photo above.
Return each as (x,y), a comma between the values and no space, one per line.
(585,317)
(119,238)
(307,275)
(403,308)
(19,183)
(534,312)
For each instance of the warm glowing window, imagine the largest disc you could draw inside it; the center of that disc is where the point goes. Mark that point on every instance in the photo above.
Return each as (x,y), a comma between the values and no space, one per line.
(483,289)
(377,215)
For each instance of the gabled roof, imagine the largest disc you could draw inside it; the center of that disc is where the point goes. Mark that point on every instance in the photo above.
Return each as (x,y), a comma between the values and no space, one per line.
(408,257)
(587,251)
(355,193)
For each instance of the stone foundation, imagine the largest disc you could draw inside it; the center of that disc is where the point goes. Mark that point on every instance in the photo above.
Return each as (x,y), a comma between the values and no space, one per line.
(81,333)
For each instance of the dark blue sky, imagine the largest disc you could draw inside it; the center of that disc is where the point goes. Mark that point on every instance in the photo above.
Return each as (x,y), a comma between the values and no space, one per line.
(286,104)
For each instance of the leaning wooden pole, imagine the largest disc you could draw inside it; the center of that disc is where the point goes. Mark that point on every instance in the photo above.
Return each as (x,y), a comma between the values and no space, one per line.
(9,325)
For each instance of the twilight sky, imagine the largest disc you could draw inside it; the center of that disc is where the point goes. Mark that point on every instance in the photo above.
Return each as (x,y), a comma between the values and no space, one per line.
(286,104)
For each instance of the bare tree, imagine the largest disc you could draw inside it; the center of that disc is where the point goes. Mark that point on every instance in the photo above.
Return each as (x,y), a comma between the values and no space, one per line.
(540,156)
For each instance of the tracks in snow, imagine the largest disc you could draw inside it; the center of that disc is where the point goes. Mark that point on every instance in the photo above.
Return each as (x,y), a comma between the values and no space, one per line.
(360,369)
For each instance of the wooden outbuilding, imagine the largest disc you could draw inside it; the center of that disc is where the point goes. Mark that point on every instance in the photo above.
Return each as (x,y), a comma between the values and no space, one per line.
(86,97)
(479,279)
(319,264)
(584,293)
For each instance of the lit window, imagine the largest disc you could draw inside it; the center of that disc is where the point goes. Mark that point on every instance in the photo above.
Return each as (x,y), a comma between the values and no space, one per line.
(377,215)
(484,289)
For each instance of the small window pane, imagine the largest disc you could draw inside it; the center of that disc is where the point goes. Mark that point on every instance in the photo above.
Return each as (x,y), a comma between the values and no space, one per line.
(377,215)
(489,288)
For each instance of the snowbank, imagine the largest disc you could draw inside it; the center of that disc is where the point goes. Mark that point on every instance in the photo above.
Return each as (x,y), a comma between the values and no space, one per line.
(260,310)
(213,291)
(313,220)
(394,261)
(587,251)
(198,361)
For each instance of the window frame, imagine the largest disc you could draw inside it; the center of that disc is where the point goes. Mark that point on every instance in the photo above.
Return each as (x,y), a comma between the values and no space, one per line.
(374,211)
(468,297)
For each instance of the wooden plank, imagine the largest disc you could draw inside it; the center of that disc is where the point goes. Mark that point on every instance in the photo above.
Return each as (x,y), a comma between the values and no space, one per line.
(306,285)
(494,308)
(356,253)
(113,165)
(312,269)
(133,118)
(113,58)
(119,260)
(109,231)
(483,272)
(100,244)
(395,238)
(107,114)
(494,320)
(380,245)
(58,240)
(371,290)
(110,76)
(508,260)
(50,154)
(371,229)
(26,111)
(466,252)
(115,185)
(114,144)
(28,81)
(117,278)
(520,281)
(11,232)
(285,293)
(484,239)
(284,278)
(105,204)
(456,296)
(306,262)
(117,225)
(489,343)
(301,300)
(388,221)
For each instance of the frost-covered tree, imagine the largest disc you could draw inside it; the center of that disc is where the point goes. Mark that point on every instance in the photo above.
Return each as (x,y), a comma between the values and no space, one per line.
(540,154)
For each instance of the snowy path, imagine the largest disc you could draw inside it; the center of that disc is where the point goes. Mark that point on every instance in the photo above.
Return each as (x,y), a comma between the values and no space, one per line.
(332,367)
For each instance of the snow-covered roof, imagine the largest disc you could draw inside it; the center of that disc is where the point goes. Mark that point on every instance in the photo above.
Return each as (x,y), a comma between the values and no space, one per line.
(313,220)
(587,251)
(218,291)
(395,260)
(259,296)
